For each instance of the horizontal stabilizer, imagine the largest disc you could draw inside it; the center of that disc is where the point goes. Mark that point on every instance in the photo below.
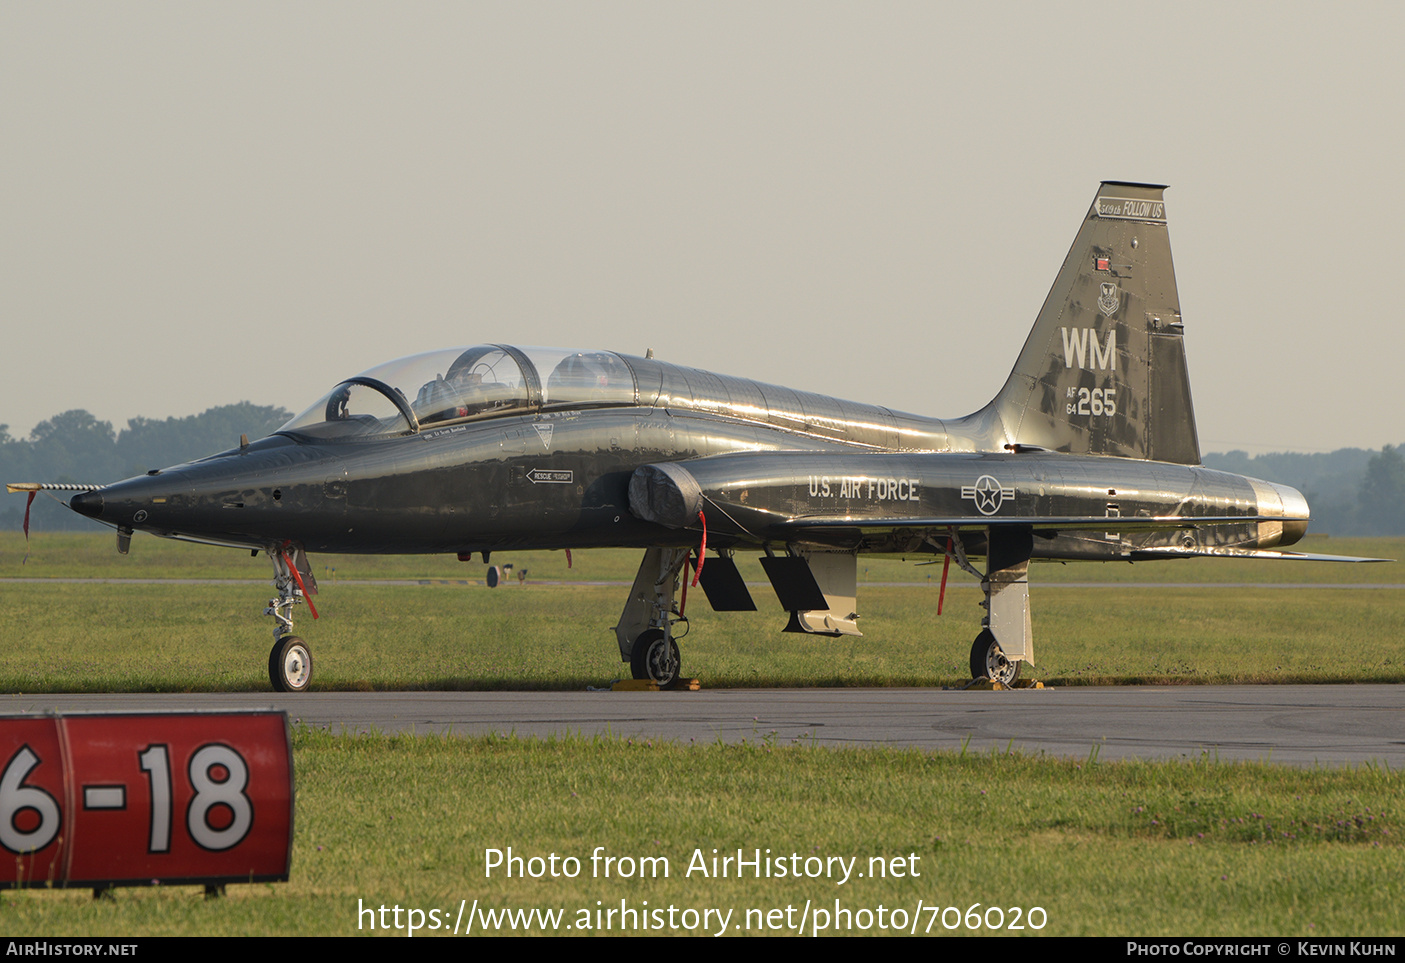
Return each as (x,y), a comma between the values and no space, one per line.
(1176,552)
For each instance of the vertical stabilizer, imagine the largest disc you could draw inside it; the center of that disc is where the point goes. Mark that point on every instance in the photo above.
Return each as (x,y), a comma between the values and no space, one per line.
(1103,372)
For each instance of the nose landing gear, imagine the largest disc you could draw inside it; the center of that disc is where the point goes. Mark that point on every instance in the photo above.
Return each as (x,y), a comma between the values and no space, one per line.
(290,660)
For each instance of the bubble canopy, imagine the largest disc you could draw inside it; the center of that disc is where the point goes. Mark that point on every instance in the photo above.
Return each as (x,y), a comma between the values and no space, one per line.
(461,384)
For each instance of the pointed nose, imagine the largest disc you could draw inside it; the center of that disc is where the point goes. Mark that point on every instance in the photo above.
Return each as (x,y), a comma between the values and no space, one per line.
(87,503)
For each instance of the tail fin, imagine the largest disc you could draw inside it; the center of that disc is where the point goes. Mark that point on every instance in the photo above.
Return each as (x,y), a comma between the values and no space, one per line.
(1103,372)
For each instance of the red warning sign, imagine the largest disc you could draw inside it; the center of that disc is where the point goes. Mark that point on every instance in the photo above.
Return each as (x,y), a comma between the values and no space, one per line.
(119,799)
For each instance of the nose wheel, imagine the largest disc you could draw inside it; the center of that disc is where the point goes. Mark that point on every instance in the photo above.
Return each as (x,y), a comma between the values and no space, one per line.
(290,665)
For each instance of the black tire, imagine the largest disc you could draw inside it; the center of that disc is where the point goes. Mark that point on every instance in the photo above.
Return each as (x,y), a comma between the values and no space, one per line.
(290,665)
(988,662)
(492,576)
(649,660)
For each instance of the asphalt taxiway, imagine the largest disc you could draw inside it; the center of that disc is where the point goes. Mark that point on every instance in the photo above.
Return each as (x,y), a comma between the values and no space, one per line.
(1326,725)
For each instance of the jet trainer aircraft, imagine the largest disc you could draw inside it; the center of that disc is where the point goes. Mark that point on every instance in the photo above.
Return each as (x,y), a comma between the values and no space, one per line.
(1088,452)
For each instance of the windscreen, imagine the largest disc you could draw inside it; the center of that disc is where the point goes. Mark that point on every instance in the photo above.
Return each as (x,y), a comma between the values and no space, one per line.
(350,411)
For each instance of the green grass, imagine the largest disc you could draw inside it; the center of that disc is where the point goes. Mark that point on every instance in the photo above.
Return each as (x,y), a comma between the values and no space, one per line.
(1154,849)
(184,638)
(542,635)
(1104,848)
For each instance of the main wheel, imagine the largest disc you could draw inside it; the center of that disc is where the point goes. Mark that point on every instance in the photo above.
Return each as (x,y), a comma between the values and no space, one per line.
(988,662)
(652,659)
(290,665)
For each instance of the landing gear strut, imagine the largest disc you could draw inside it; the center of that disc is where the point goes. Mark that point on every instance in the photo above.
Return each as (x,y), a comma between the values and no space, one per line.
(290,660)
(1006,640)
(645,629)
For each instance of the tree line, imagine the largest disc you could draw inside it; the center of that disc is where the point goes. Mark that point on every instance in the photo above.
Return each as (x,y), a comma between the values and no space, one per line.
(1352,491)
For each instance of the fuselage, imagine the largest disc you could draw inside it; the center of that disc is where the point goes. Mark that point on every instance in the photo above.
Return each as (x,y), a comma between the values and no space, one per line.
(417,457)
(1088,451)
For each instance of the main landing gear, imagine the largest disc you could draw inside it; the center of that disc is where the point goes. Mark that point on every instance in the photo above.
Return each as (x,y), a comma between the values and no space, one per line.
(1006,640)
(988,661)
(645,629)
(655,658)
(290,660)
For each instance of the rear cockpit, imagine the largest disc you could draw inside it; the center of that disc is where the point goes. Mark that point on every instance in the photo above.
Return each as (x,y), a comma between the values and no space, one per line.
(463,384)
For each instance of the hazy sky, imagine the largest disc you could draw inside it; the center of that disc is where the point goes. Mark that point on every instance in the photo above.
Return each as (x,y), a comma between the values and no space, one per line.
(207,203)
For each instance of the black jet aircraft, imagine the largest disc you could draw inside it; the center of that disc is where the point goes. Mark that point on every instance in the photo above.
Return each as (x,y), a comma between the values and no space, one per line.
(1088,452)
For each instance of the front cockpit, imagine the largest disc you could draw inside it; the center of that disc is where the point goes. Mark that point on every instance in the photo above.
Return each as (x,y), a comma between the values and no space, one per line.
(462,384)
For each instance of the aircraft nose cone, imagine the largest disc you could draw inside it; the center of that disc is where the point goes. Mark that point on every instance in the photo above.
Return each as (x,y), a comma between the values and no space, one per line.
(87,503)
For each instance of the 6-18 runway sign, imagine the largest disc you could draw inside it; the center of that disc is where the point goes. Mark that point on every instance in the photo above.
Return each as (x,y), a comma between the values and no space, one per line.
(118,799)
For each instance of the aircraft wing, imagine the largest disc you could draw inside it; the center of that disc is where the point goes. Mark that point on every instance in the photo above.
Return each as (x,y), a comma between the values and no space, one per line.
(1068,523)
(837,531)
(848,499)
